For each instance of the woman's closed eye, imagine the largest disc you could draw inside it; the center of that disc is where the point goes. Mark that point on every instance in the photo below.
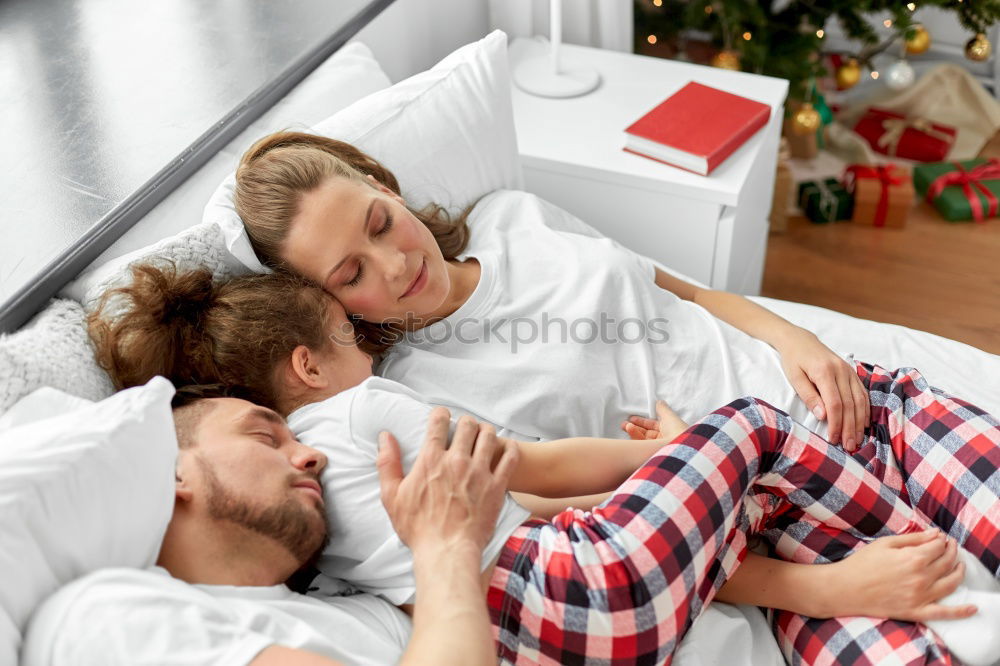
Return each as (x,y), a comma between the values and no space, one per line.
(357,276)
(386,226)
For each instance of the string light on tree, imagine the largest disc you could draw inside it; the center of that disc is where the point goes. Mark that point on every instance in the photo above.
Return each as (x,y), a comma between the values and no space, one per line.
(978,48)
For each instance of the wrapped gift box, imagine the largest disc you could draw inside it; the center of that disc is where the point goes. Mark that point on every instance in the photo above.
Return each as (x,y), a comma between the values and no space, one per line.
(825,200)
(883,195)
(894,134)
(961,190)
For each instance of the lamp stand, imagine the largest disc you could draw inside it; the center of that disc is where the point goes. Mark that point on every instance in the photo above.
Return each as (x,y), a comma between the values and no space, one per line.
(551,79)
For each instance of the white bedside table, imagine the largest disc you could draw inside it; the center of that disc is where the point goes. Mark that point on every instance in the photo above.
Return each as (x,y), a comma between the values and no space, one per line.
(713,228)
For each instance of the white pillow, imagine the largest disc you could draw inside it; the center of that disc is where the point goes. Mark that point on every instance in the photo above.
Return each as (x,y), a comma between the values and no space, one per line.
(345,77)
(92,488)
(447,134)
(53,349)
(39,405)
(201,246)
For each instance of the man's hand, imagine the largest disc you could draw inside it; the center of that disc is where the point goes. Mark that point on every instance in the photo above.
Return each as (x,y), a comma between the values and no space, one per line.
(452,494)
(445,510)
(668,426)
(828,385)
(899,577)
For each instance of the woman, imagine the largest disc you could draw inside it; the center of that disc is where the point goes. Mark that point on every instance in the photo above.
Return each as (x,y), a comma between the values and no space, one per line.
(327,211)
(745,469)
(323,209)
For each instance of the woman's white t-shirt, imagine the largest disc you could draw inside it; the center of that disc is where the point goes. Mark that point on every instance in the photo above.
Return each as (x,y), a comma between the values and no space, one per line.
(364,548)
(568,335)
(146,617)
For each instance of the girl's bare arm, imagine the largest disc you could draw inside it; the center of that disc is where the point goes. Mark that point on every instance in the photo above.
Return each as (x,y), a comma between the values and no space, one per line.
(548,507)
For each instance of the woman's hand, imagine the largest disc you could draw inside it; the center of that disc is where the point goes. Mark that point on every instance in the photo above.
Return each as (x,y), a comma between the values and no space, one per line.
(668,426)
(898,577)
(828,385)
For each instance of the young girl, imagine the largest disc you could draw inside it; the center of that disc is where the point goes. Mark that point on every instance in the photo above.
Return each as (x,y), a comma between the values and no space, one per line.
(627,578)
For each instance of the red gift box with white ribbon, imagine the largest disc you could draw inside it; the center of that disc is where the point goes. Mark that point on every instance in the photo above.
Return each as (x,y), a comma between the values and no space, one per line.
(908,137)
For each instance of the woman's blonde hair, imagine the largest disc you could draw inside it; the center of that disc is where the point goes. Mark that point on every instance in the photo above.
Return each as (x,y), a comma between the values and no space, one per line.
(277,170)
(182,325)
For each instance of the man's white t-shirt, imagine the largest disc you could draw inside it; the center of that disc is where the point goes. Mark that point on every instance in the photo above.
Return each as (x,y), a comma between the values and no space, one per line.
(568,335)
(364,548)
(140,617)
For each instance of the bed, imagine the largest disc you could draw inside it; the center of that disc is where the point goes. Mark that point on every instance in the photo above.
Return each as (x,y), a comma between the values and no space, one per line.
(448,135)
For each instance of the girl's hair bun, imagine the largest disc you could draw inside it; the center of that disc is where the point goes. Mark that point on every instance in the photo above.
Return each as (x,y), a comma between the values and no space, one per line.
(191,330)
(153,327)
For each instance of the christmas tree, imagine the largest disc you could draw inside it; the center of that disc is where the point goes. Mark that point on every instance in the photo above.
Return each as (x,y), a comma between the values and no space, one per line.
(785,38)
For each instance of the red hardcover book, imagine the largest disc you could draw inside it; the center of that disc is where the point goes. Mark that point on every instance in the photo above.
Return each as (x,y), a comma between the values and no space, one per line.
(696,128)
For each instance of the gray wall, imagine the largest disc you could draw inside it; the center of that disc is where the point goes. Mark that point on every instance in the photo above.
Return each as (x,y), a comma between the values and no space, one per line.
(412,35)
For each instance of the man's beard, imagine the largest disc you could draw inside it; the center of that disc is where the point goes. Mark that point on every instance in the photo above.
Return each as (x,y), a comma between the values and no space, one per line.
(290,523)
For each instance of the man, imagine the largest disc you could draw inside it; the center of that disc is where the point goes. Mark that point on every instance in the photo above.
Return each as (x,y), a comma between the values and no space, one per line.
(248,514)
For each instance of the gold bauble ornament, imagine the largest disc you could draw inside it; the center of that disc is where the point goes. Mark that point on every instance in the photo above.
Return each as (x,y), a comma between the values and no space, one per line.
(848,74)
(726,60)
(978,48)
(918,41)
(805,120)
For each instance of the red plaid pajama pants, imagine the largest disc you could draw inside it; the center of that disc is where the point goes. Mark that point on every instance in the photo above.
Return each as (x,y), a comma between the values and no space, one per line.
(941,455)
(622,584)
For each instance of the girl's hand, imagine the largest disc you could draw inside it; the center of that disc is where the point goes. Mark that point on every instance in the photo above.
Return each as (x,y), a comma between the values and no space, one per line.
(668,427)
(899,577)
(829,386)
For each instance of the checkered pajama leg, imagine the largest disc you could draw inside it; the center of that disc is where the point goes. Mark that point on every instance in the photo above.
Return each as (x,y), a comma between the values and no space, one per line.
(948,453)
(623,583)
(941,455)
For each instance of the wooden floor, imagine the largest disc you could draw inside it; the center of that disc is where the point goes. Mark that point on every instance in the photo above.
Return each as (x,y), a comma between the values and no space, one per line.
(932,275)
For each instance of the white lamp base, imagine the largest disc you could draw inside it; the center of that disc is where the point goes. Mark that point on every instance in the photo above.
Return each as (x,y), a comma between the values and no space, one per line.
(534,75)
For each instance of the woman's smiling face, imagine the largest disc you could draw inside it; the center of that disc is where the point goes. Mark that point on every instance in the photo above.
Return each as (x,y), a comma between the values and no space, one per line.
(359,241)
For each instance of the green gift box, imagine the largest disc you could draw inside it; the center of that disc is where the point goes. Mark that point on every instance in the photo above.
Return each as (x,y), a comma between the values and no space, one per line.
(825,200)
(968,190)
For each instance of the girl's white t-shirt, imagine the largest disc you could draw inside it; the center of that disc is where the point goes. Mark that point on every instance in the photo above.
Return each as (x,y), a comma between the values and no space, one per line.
(364,548)
(146,617)
(567,335)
